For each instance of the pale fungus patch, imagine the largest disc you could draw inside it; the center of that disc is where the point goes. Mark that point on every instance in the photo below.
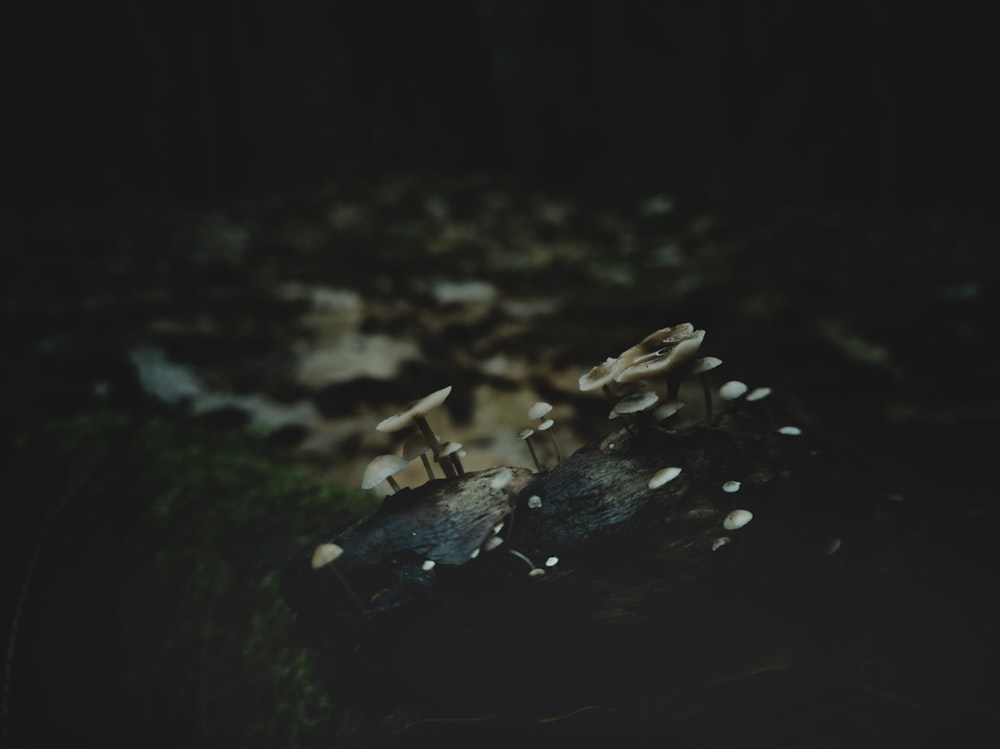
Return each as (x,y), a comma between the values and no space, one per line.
(737,519)
(731,487)
(663,476)
(502,479)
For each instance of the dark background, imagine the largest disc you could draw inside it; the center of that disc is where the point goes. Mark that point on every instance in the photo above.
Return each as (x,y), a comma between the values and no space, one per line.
(886,104)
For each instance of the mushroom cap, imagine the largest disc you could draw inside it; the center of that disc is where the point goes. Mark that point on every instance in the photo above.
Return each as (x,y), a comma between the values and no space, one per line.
(525,433)
(545,425)
(539,410)
(449,448)
(414,446)
(666,350)
(418,408)
(737,519)
(599,376)
(663,476)
(630,404)
(381,468)
(758,394)
(324,554)
(732,390)
(668,409)
(702,365)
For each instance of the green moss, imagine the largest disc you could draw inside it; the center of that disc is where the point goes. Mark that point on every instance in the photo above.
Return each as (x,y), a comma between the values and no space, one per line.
(186,531)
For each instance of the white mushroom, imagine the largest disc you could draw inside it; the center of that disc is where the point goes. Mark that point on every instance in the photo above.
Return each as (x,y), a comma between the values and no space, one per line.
(414,413)
(539,409)
(731,486)
(758,394)
(383,468)
(732,390)
(600,376)
(790,431)
(324,554)
(737,519)
(415,446)
(525,434)
(663,476)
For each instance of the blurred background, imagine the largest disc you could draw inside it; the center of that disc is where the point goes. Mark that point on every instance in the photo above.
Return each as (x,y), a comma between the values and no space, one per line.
(236,238)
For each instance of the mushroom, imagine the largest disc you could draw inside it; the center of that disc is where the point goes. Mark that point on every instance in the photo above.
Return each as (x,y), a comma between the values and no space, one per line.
(600,376)
(664,352)
(450,452)
(383,468)
(636,403)
(415,446)
(665,410)
(324,554)
(700,367)
(732,390)
(539,409)
(546,426)
(525,434)
(414,413)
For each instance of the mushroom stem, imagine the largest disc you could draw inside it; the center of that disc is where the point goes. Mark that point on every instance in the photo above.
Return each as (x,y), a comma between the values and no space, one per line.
(608,394)
(708,397)
(457,462)
(555,445)
(673,386)
(427,467)
(434,445)
(534,457)
(392,482)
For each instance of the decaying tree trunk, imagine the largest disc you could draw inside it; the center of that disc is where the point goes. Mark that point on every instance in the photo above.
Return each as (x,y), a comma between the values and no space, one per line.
(593,597)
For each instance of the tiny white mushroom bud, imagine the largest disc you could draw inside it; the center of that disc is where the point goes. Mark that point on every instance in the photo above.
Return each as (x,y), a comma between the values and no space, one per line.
(534,502)
(758,394)
(662,476)
(324,554)
(552,561)
(732,390)
(720,542)
(498,527)
(428,565)
(537,572)
(731,486)
(474,554)
(737,519)
(790,431)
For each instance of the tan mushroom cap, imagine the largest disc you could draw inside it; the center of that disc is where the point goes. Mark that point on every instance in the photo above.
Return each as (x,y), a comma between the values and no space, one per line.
(418,408)
(381,468)
(634,403)
(599,376)
(664,351)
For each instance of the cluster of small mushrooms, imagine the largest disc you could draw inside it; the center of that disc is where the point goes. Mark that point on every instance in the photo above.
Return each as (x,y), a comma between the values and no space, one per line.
(628,381)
